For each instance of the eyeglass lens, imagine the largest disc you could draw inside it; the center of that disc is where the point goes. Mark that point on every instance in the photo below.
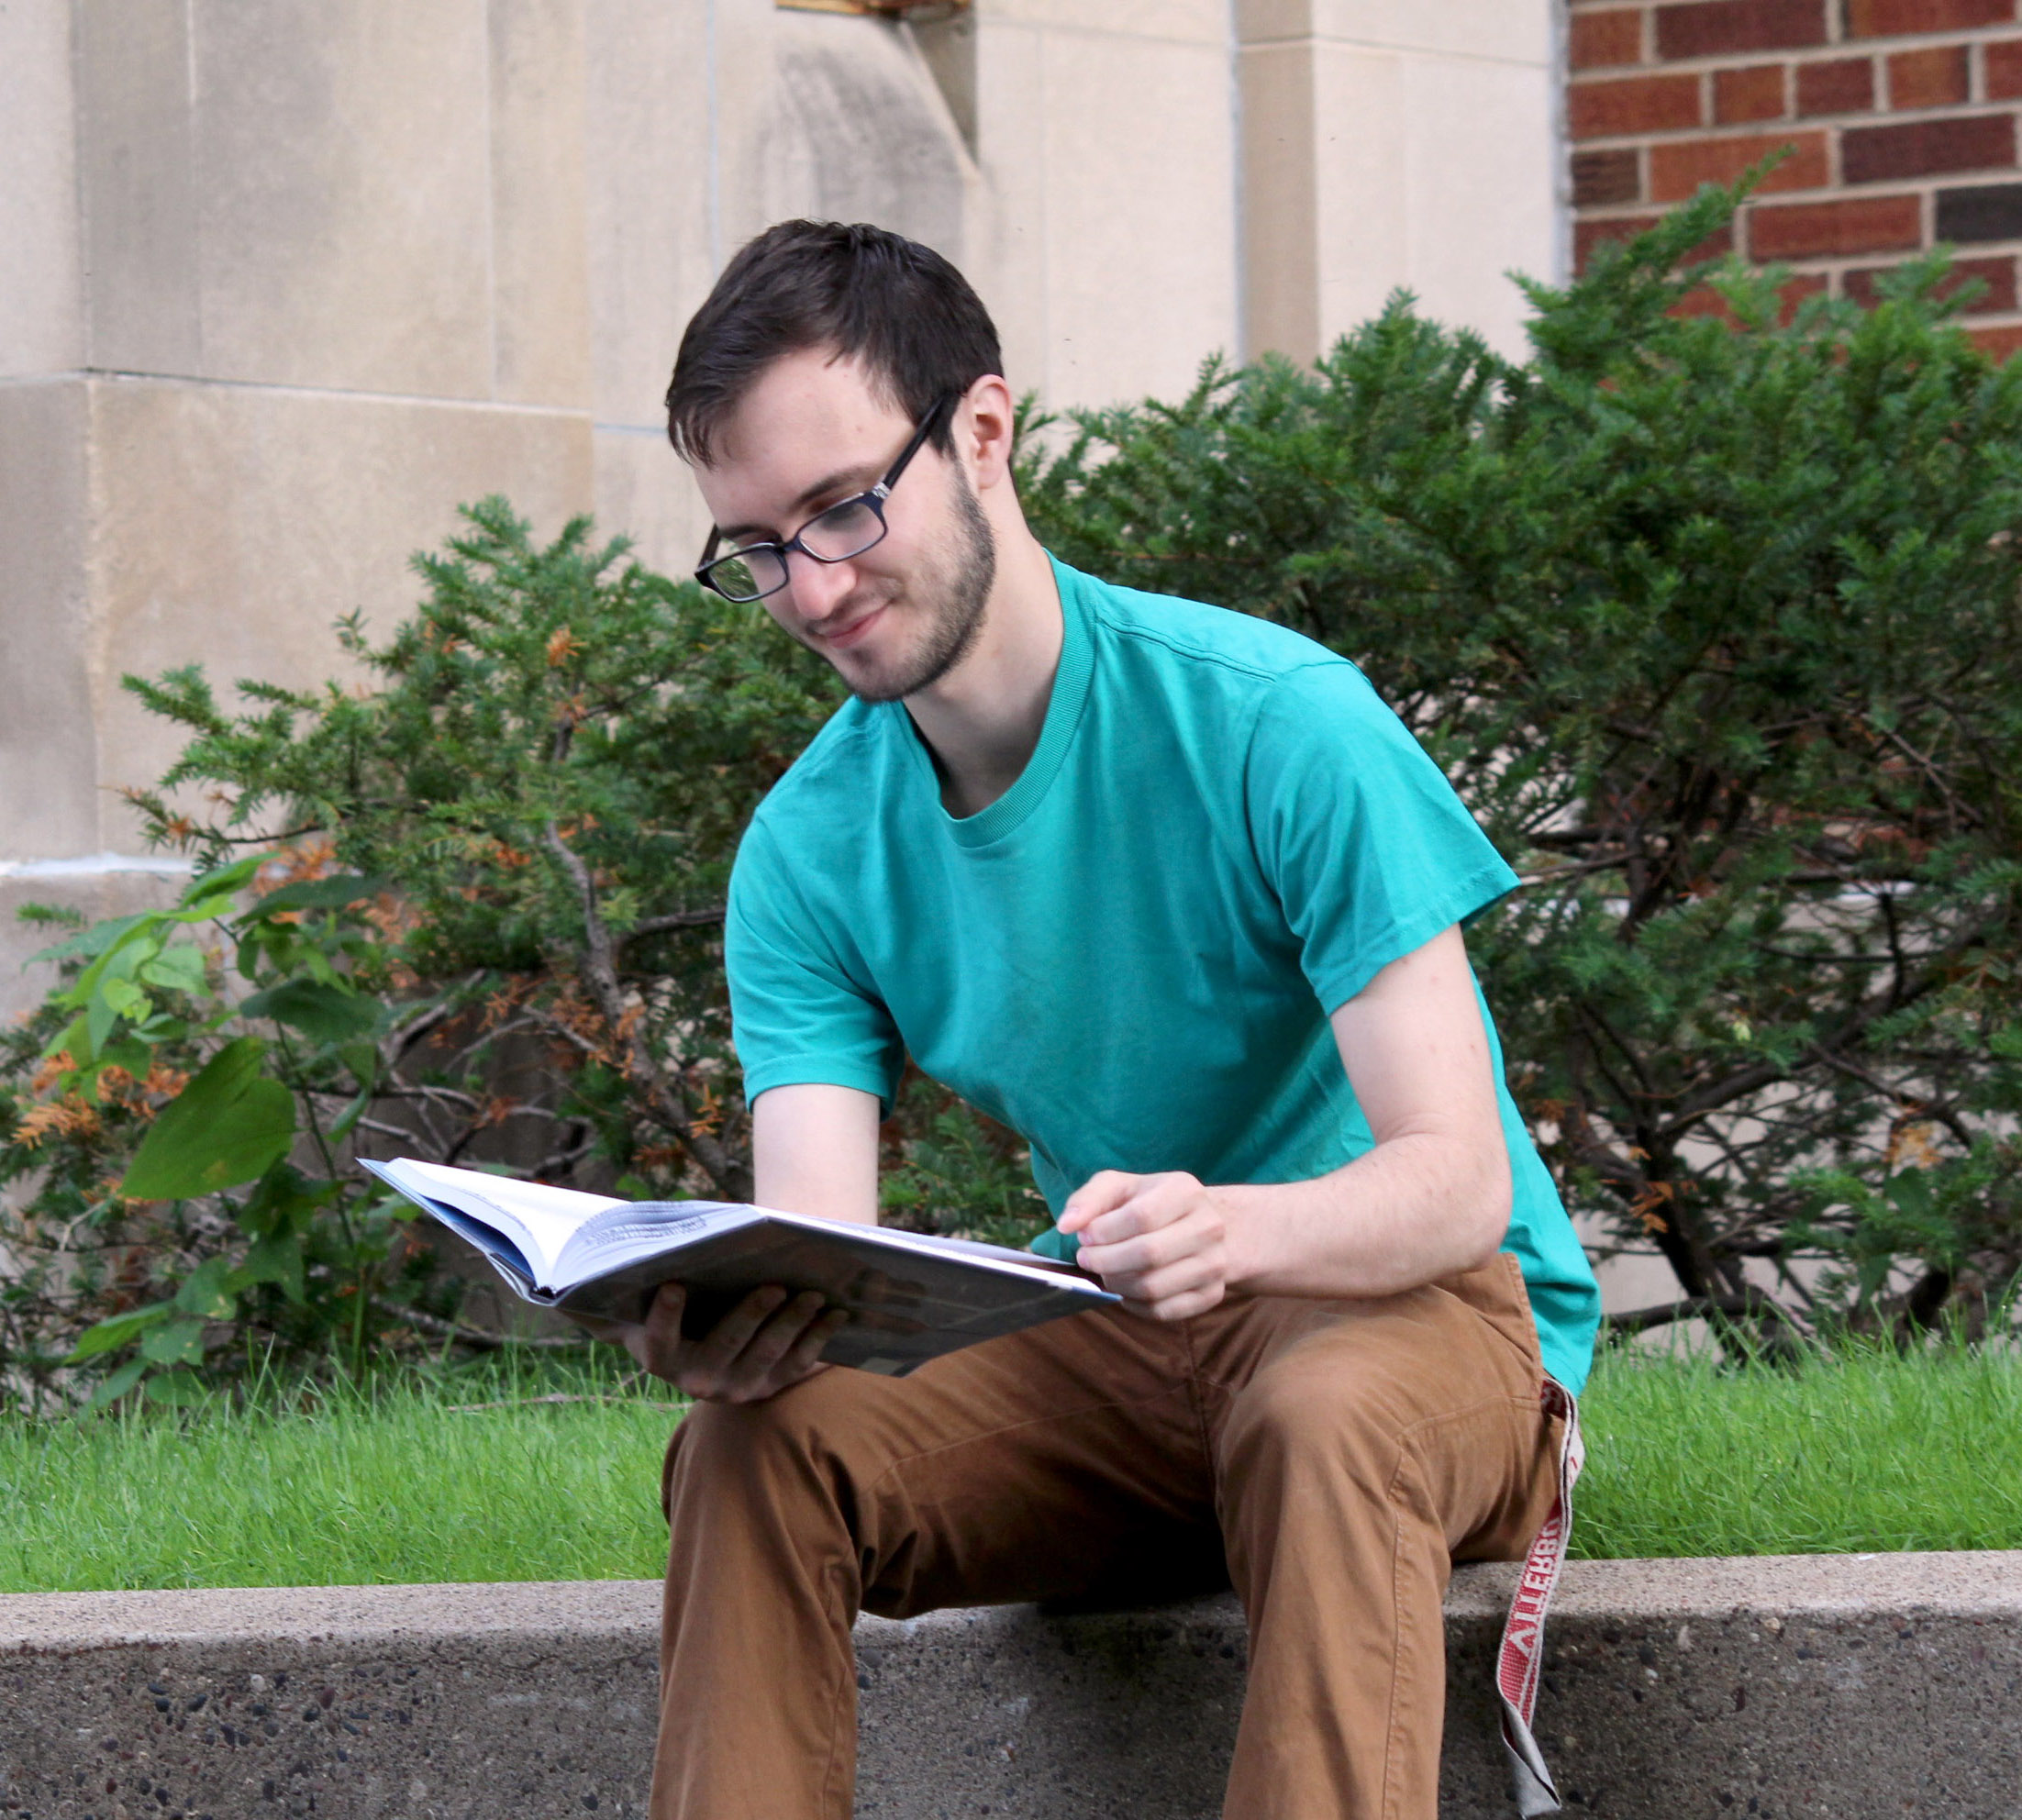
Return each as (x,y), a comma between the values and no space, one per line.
(844,530)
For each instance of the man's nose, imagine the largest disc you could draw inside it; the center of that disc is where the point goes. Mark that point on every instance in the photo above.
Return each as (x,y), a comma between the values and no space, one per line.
(817,588)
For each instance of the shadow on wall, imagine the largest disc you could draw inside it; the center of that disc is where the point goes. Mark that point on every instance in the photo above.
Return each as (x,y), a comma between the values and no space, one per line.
(863,134)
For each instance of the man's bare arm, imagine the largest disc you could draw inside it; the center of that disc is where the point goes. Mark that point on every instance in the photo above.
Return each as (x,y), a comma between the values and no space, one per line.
(814,1150)
(1432,1196)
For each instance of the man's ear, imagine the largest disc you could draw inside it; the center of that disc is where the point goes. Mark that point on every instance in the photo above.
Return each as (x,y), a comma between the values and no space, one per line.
(984,424)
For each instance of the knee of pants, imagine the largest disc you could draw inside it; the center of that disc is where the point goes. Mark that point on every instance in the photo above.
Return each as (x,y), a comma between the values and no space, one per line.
(1296,1421)
(803,1434)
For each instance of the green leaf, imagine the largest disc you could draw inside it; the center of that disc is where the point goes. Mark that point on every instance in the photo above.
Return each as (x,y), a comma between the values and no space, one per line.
(350,1115)
(115,1384)
(318,895)
(124,997)
(178,969)
(325,1014)
(101,1019)
(206,1292)
(180,1389)
(210,896)
(227,1127)
(119,1330)
(179,1343)
(134,945)
(73,1039)
(277,1257)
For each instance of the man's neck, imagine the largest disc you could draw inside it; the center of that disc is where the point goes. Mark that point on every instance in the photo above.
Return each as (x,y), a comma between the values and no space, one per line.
(983,720)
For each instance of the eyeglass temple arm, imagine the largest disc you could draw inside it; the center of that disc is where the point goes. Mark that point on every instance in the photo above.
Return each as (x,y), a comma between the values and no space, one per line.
(929,424)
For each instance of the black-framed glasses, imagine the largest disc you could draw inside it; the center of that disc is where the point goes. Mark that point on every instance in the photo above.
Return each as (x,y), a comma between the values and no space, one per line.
(847,528)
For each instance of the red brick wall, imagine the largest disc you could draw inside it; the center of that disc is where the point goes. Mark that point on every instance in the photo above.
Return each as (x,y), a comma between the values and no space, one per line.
(1901,115)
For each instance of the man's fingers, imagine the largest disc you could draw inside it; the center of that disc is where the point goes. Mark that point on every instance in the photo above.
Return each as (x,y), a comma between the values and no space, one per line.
(1109,1188)
(780,1335)
(1138,1248)
(663,1318)
(719,1350)
(784,1351)
(806,1350)
(1178,1307)
(1183,1277)
(1154,1201)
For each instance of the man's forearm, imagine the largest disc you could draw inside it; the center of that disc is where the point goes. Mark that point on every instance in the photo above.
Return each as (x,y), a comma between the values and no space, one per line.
(1415,1208)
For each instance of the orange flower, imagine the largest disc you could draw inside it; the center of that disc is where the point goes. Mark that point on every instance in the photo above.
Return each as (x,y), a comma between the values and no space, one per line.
(70,1116)
(165,1081)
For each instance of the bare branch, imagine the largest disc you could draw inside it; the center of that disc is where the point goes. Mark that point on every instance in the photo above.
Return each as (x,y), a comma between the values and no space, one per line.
(680,919)
(730,1178)
(1751,1303)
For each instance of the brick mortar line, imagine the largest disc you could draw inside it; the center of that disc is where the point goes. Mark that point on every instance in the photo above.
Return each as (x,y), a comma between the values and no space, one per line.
(1649,8)
(1844,51)
(1962,252)
(1920,190)
(1810,122)
(1877,191)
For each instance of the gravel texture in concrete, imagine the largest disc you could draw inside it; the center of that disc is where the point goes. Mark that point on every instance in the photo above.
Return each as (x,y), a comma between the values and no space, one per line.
(1826,1687)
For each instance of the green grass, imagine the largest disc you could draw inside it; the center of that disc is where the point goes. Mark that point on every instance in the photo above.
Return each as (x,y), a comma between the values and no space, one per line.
(409,1483)
(1867,1452)
(343,1489)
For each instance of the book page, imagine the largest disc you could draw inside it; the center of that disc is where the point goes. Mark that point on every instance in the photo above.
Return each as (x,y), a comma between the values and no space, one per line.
(647,1227)
(542,1218)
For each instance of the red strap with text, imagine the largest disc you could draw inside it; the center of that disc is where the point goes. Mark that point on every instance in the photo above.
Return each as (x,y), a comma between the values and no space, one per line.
(1520,1660)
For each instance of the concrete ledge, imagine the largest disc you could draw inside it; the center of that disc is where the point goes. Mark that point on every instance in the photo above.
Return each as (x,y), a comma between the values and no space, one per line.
(1821,1687)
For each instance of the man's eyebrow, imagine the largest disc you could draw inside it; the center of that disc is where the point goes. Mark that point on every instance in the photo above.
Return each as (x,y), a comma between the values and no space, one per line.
(833,483)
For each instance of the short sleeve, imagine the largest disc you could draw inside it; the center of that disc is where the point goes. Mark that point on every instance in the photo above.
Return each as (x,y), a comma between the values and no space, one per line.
(1370,850)
(798,1012)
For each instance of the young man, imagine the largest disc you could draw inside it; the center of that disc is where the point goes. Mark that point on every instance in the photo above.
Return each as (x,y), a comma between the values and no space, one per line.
(1170,892)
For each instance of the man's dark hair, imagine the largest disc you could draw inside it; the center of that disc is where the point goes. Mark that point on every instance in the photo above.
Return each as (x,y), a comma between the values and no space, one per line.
(897,307)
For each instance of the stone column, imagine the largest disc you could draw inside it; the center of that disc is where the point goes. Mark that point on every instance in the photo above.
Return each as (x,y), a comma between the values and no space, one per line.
(1392,143)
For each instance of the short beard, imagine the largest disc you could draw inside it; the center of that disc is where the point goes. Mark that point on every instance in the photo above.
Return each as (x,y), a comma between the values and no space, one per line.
(964,593)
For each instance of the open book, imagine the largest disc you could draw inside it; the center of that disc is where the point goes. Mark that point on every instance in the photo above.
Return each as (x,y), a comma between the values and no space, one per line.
(911,1296)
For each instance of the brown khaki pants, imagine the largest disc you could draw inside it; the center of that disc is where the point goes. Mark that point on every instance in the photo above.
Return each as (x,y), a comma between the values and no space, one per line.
(1331,1460)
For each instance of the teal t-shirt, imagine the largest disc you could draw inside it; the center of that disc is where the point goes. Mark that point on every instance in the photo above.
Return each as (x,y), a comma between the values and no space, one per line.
(1131,957)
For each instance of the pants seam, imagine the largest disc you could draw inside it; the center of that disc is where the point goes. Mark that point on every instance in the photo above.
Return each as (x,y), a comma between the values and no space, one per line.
(1406,1457)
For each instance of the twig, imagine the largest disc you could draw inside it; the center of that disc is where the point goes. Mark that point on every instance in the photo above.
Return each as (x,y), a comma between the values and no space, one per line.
(558,1397)
(398,1042)
(680,919)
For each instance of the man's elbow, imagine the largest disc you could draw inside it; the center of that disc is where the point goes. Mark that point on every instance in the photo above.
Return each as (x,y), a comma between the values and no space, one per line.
(1488,1204)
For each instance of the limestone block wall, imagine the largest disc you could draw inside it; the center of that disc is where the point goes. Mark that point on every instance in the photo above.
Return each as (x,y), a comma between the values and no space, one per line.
(1900,116)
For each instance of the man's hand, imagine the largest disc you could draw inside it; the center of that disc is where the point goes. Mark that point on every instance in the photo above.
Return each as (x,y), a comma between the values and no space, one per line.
(1162,1242)
(766,1344)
